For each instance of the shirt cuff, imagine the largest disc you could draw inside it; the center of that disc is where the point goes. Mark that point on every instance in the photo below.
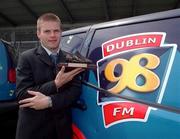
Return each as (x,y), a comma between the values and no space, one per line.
(49,102)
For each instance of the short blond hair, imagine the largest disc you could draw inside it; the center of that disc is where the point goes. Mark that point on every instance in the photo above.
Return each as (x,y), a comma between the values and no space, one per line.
(47,17)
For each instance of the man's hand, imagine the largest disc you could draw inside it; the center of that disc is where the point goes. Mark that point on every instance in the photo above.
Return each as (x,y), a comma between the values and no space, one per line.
(38,102)
(64,77)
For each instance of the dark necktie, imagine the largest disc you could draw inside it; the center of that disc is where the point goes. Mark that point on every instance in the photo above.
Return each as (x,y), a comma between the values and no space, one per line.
(54,58)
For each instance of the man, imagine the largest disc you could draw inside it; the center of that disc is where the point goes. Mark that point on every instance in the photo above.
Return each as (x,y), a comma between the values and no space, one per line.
(45,97)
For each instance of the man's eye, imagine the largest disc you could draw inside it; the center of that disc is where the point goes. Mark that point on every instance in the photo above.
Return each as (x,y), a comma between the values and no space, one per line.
(46,31)
(57,31)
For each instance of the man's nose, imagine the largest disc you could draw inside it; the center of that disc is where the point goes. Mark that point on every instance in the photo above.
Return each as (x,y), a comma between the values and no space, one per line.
(52,33)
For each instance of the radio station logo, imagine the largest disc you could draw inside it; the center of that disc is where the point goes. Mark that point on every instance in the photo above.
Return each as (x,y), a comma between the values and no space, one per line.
(138,66)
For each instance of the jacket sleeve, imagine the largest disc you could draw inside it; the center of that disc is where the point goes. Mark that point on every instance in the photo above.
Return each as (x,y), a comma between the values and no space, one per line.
(25,80)
(61,98)
(67,95)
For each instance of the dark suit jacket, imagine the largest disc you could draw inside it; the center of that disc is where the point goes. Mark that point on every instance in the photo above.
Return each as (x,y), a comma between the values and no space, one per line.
(35,71)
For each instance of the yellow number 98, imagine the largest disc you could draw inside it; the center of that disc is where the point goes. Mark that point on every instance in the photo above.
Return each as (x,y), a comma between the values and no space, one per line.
(131,70)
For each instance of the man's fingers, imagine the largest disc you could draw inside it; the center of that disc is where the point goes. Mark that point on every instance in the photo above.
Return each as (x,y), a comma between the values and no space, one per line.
(75,71)
(27,100)
(32,92)
(62,70)
(35,94)
(64,77)
(26,105)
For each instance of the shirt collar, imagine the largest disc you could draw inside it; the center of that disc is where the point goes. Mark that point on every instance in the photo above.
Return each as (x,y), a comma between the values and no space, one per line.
(48,51)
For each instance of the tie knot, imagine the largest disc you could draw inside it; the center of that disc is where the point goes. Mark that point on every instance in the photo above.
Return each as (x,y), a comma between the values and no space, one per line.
(54,58)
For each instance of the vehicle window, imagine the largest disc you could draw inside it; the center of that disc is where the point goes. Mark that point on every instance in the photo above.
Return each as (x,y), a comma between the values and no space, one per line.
(72,43)
(12,53)
(103,35)
(105,46)
(3,64)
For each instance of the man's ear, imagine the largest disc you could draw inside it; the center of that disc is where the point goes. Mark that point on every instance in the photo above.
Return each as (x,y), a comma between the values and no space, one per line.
(38,33)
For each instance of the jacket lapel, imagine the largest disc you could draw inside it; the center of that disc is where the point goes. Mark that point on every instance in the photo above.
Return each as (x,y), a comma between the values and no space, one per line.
(62,57)
(43,56)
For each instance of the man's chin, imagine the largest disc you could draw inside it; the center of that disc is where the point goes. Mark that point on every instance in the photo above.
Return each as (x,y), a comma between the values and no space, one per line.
(54,48)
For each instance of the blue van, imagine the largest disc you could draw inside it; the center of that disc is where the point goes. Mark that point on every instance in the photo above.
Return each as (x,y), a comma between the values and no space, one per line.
(134,93)
(8,105)
(7,71)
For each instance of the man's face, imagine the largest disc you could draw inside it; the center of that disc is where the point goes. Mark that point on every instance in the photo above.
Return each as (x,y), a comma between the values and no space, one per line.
(50,34)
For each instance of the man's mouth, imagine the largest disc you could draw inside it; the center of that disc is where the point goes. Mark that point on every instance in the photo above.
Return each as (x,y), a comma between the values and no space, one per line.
(52,40)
